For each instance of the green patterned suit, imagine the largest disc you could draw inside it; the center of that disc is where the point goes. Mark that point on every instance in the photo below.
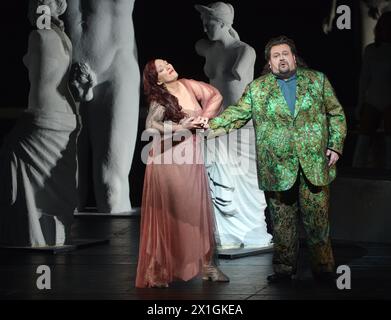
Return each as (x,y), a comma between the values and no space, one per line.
(291,157)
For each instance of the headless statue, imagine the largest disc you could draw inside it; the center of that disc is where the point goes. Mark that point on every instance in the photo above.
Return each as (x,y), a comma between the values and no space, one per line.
(103,36)
(239,204)
(38,159)
(370,10)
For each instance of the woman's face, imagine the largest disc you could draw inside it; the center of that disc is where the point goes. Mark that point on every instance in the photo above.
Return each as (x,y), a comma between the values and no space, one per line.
(165,71)
(213,28)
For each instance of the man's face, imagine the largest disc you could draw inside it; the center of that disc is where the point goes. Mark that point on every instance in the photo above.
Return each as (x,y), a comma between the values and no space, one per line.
(282,61)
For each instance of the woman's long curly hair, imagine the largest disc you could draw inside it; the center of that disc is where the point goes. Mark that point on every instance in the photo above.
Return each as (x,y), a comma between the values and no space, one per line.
(158,93)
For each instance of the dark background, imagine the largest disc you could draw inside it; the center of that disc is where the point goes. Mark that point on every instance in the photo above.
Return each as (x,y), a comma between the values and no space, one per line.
(169,30)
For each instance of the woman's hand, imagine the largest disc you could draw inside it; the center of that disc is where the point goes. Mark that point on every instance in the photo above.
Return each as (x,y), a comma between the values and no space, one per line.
(194,123)
(189,123)
(203,122)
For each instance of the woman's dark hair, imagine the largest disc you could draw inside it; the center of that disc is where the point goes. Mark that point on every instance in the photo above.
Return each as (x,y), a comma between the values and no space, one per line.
(383,29)
(158,93)
(275,42)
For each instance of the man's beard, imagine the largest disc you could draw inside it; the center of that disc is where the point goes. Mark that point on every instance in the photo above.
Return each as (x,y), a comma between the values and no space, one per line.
(285,74)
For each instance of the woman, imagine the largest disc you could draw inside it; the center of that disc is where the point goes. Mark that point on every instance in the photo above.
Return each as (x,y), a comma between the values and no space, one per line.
(374,93)
(238,202)
(38,159)
(177,230)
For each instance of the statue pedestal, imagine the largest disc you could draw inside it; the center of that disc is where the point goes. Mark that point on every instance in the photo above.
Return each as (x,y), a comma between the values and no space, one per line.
(74,245)
(90,211)
(243,252)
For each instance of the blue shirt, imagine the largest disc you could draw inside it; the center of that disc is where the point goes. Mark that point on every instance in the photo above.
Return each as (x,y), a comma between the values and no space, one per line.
(288,88)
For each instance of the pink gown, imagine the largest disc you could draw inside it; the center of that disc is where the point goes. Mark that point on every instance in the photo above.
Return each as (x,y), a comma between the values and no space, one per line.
(177,226)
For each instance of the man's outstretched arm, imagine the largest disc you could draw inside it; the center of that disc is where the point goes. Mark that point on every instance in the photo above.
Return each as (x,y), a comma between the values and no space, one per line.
(235,116)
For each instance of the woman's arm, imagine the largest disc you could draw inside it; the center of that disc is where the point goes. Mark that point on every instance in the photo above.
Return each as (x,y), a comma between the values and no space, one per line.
(155,120)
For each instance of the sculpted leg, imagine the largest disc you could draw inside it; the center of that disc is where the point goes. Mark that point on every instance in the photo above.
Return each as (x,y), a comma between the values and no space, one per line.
(113,136)
(83,160)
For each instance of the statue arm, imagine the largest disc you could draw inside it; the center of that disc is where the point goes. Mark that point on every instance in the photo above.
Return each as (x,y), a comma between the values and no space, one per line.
(328,21)
(73,14)
(43,48)
(35,46)
(201,47)
(244,62)
(208,96)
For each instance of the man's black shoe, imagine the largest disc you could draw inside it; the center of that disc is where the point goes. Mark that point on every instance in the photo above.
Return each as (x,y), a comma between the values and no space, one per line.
(279,277)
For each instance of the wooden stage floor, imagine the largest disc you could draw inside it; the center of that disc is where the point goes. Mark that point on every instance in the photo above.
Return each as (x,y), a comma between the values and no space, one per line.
(107,271)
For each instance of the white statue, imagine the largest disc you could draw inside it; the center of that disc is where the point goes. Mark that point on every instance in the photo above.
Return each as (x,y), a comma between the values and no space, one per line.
(38,158)
(239,204)
(103,36)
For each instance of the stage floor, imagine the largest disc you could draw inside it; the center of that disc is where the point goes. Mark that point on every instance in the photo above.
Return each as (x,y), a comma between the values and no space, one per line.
(107,271)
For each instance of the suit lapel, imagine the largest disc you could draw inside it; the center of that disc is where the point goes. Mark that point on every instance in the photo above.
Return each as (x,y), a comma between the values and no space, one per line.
(301,90)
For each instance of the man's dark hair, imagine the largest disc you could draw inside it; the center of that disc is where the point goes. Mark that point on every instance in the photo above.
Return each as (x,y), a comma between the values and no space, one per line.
(275,42)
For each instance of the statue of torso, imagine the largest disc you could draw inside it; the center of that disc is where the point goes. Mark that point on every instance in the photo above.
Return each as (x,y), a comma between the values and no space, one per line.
(219,64)
(102,33)
(48,61)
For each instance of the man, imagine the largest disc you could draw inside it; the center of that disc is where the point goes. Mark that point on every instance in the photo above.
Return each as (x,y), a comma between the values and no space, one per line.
(300,128)
(103,36)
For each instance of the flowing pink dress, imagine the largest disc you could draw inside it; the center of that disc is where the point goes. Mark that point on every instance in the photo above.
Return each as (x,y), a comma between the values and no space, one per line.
(177,226)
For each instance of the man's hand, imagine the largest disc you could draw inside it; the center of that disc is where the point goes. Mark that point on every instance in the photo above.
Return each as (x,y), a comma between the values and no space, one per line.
(206,125)
(203,121)
(333,157)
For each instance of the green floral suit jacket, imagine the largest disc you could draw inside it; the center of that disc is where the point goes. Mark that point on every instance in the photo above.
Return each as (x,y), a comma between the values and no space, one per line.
(284,142)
